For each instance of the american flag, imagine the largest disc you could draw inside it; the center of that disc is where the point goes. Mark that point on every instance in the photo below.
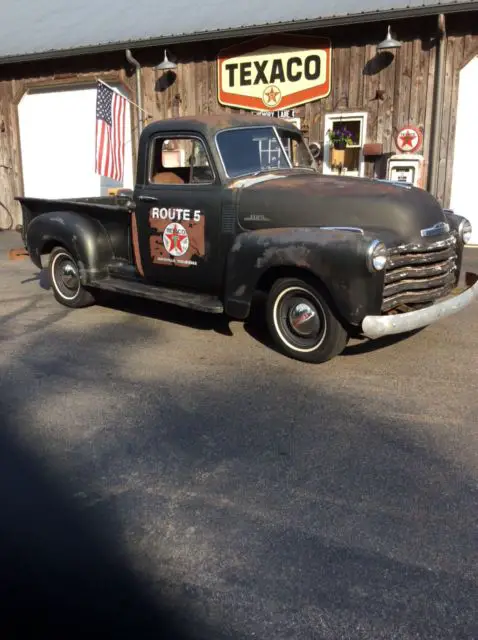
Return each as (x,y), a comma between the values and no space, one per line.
(110,132)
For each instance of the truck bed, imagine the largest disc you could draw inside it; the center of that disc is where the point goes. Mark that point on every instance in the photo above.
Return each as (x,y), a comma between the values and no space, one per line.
(32,207)
(113,212)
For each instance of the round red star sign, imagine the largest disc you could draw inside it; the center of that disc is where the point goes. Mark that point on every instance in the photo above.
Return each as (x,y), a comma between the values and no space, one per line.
(409,139)
(175,239)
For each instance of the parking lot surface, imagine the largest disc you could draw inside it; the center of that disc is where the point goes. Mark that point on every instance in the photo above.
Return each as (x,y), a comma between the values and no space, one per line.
(167,474)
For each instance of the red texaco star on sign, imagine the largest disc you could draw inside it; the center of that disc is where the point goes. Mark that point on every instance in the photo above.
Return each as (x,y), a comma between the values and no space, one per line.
(272,96)
(409,139)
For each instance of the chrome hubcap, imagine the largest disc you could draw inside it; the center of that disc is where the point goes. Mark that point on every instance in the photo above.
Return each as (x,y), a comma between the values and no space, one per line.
(69,276)
(303,319)
(66,277)
(300,319)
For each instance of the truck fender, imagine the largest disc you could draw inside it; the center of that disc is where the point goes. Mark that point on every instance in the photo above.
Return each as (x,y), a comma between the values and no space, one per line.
(336,257)
(85,238)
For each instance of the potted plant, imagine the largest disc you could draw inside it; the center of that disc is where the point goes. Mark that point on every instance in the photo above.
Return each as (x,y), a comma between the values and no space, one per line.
(340,137)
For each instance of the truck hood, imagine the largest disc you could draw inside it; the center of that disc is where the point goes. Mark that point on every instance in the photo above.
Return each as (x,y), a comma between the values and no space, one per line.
(396,214)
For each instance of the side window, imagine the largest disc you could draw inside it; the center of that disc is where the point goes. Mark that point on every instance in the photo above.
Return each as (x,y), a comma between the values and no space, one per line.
(179,161)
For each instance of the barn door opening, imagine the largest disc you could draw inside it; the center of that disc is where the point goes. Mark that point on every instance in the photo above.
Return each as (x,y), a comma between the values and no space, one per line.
(57,142)
(463,186)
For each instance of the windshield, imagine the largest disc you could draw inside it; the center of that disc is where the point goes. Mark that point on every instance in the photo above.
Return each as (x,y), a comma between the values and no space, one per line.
(254,149)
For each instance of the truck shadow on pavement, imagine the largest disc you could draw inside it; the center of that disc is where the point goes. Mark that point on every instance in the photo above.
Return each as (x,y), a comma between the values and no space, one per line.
(41,277)
(369,346)
(255,325)
(164,312)
(275,506)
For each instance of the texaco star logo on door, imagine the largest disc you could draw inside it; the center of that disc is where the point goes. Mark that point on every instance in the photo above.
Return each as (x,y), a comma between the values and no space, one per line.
(175,239)
(271,96)
(409,139)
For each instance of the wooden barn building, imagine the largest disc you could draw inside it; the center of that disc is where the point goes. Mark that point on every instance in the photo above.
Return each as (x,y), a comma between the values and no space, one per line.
(401,76)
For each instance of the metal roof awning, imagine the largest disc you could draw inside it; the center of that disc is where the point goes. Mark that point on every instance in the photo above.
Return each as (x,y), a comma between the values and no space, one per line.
(42,29)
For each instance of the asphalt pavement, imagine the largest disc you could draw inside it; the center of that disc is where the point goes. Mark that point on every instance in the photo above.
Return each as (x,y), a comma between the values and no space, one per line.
(165,474)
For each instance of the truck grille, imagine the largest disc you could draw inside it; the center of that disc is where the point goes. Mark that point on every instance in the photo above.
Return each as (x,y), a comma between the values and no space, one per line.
(417,274)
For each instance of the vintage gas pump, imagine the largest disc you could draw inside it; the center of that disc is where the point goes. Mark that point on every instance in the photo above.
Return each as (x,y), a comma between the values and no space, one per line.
(407,166)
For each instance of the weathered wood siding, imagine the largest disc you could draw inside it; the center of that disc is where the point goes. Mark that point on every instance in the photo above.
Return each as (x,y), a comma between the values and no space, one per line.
(10,161)
(15,81)
(406,78)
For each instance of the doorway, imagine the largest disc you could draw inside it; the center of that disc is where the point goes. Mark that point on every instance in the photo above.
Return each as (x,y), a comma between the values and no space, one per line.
(57,142)
(463,186)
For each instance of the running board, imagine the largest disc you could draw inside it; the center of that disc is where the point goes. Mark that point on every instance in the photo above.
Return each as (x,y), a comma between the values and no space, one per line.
(190,300)
(123,270)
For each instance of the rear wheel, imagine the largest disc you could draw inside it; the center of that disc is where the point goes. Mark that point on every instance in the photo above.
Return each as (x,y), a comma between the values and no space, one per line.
(65,280)
(302,322)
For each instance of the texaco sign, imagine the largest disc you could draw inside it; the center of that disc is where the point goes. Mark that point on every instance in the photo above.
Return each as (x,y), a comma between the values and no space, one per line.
(409,139)
(277,72)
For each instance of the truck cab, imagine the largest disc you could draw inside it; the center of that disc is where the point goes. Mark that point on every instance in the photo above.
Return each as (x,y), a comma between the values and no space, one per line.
(227,205)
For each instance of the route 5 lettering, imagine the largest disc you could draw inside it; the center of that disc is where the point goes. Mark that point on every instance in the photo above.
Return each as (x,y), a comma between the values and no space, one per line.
(175,214)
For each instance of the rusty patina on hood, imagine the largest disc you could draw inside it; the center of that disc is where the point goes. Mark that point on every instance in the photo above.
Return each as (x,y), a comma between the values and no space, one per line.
(298,198)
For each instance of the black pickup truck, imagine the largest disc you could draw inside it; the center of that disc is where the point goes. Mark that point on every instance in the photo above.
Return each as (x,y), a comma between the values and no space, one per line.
(225,206)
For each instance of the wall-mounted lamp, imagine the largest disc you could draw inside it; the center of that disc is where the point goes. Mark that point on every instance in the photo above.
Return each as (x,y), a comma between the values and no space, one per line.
(389,42)
(315,149)
(166,64)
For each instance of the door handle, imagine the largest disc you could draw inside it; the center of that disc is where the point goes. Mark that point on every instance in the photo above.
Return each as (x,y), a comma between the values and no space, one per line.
(148,199)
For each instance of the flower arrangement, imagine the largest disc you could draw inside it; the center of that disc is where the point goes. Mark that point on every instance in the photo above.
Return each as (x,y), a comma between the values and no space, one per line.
(340,137)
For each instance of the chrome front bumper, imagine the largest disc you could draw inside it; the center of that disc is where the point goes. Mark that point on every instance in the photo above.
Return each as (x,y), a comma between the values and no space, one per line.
(378,326)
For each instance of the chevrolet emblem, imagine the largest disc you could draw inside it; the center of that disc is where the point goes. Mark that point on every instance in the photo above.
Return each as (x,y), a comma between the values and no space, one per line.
(438,229)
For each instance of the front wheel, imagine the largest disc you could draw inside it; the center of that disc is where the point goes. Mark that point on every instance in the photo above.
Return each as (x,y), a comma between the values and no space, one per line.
(302,323)
(65,280)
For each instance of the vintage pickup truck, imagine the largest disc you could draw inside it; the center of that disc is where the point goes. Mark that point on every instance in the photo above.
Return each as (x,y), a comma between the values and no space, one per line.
(226,206)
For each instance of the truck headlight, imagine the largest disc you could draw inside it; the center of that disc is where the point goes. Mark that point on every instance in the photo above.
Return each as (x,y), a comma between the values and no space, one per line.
(376,256)
(465,230)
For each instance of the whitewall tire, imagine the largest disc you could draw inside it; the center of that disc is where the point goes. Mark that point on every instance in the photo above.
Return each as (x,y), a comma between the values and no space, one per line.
(302,322)
(65,280)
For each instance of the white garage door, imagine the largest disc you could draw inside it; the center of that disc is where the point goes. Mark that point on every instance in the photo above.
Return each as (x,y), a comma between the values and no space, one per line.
(463,198)
(57,139)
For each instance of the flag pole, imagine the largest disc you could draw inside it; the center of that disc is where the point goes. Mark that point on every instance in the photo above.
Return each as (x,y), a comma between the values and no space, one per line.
(127,99)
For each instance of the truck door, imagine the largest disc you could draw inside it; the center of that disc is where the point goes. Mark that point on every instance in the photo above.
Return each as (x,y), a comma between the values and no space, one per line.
(178,214)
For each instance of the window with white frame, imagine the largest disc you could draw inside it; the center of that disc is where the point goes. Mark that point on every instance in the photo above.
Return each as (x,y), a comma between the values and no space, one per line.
(269,152)
(348,161)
